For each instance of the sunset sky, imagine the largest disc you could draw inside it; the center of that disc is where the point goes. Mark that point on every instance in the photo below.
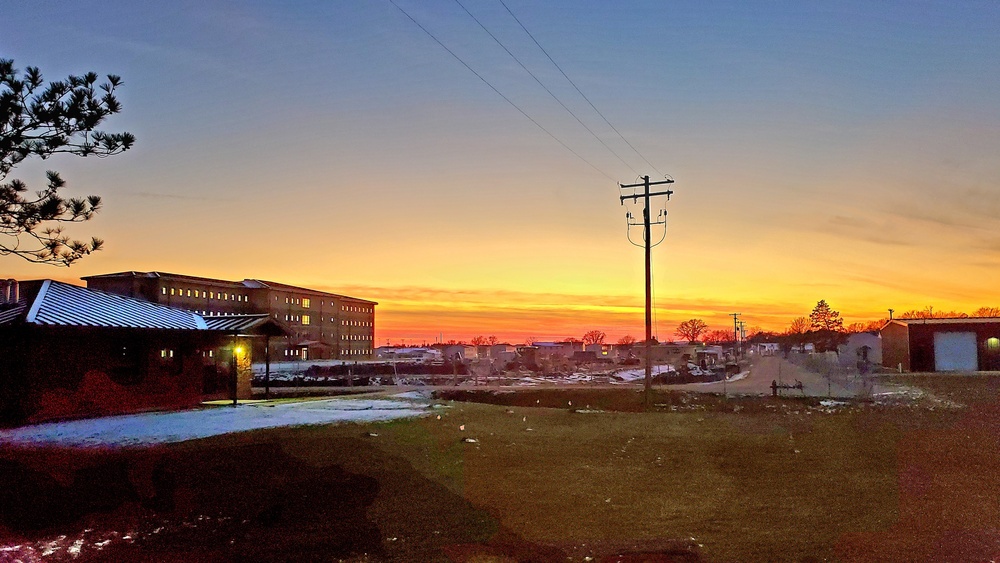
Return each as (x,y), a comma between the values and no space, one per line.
(845,151)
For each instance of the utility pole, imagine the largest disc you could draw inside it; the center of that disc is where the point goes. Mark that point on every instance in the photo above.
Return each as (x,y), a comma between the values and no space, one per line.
(661,220)
(736,335)
(743,338)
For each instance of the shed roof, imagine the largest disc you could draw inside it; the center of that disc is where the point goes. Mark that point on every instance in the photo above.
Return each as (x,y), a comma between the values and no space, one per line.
(9,315)
(61,304)
(944,321)
(255,324)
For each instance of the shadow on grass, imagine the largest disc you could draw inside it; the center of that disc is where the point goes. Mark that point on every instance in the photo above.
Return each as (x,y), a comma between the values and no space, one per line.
(214,500)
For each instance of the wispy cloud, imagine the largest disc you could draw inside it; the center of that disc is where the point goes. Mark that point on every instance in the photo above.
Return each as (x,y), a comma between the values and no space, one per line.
(155,195)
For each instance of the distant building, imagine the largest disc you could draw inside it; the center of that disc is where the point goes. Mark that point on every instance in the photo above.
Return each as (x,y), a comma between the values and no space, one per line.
(966,344)
(601,351)
(767,348)
(560,350)
(409,354)
(863,348)
(460,352)
(324,325)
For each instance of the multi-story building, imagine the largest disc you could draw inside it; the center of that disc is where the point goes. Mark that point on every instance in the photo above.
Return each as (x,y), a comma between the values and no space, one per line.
(323,325)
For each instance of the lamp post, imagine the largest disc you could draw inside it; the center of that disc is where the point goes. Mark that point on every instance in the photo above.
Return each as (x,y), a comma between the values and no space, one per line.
(234,375)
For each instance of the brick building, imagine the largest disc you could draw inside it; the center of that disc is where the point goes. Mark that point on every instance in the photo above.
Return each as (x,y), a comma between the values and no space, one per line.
(323,325)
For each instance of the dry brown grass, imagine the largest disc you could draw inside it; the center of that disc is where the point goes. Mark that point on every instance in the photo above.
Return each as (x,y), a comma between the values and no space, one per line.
(749,480)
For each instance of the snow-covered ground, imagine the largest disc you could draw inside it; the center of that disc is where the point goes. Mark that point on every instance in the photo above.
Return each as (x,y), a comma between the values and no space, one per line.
(165,427)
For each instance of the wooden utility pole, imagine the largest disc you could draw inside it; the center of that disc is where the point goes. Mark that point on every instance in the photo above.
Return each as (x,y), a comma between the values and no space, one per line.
(736,335)
(646,195)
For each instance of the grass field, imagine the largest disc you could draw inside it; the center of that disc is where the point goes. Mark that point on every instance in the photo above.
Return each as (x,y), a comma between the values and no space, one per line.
(533,477)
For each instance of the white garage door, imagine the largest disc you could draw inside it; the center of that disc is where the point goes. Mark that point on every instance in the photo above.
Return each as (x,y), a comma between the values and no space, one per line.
(955,351)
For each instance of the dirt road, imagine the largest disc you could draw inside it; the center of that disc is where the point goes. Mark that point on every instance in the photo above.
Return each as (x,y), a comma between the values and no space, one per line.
(766,369)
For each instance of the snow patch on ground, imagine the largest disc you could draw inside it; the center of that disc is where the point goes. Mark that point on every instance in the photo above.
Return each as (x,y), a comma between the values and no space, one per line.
(161,428)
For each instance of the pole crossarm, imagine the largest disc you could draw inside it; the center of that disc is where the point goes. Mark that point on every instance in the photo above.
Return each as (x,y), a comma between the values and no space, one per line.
(644,184)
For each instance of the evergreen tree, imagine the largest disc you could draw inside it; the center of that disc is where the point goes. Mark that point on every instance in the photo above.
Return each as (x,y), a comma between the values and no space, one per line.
(41,121)
(825,318)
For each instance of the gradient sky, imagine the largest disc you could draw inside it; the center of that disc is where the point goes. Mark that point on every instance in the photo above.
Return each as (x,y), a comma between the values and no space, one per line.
(845,151)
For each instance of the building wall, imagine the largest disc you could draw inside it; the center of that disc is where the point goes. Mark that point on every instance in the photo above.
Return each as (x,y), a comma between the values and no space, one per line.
(895,346)
(922,344)
(63,372)
(345,326)
(913,345)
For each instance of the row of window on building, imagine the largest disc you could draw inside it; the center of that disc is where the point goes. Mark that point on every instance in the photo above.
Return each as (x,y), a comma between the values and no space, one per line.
(167,353)
(221,296)
(296,352)
(352,309)
(306,303)
(306,320)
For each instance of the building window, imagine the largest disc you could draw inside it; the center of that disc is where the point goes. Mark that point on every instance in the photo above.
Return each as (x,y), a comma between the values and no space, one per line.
(993,344)
(211,295)
(305,303)
(286,300)
(189,293)
(305,319)
(171,291)
(163,290)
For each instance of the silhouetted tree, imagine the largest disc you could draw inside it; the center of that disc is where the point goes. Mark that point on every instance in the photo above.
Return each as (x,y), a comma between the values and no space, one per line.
(691,329)
(827,340)
(929,313)
(626,341)
(594,337)
(38,120)
(718,336)
(492,340)
(823,317)
(987,312)
(761,336)
(799,325)
(479,341)
(855,328)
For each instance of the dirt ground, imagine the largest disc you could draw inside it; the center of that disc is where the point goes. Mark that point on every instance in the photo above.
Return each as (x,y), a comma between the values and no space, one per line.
(766,369)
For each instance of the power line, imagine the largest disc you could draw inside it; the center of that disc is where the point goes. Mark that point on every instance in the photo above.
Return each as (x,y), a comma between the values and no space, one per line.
(544,87)
(578,89)
(499,93)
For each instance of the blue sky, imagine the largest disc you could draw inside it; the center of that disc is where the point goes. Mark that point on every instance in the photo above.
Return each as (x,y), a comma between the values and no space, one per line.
(839,151)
